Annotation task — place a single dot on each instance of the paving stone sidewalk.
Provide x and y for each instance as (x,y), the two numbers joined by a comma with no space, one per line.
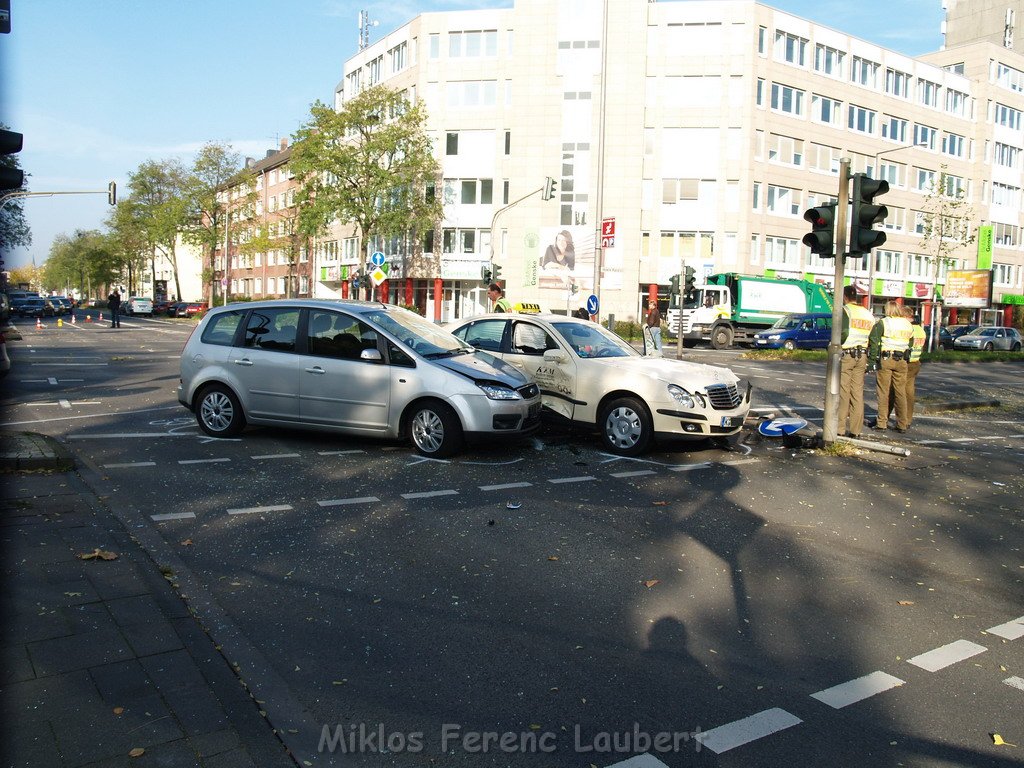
(101,658)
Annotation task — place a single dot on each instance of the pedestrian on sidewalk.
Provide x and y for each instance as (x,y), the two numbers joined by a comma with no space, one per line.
(114,304)
(654,326)
(888,352)
(857,325)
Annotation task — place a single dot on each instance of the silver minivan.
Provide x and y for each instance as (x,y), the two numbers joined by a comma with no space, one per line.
(353,367)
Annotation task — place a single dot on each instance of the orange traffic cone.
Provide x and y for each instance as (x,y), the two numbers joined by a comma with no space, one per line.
(39,322)
(101,317)
(73,319)
(88,318)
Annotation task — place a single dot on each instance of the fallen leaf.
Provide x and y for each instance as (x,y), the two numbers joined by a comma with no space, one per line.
(118,710)
(100,554)
(534,727)
(904,602)
(652,582)
(73,594)
(187,543)
(137,752)
(661,503)
(998,741)
(553,557)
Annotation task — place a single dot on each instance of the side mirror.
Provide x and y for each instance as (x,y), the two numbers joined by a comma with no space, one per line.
(554,356)
(371,354)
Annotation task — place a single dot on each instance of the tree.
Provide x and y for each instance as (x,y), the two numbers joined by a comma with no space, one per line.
(159,205)
(948,227)
(370,164)
(129,242)
(206,191)
(82,262)
(14,230)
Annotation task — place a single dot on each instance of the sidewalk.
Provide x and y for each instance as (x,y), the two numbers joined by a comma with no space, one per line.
(101,658)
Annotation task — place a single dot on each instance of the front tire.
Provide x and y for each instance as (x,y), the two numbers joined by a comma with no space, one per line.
(989,347)
(218,412)
(789,345)
(435,430)
(721,337)
(1016,347)
(626,427)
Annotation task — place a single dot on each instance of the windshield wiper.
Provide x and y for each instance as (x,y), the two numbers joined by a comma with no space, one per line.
(449,353)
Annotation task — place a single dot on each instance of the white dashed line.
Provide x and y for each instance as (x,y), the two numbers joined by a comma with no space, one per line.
(256,510)
(429,494)
(1015,682)
(277,456)
(690,467)
(845,694)
(638,473)
(343,502)
(504,486)
(740,732)
(962,440)
(52,380)
(201,461)
(130,464)
(1011,630)
(737,462)
(940,658)
(173,516)
(338,453)
(65,404)
(580,479)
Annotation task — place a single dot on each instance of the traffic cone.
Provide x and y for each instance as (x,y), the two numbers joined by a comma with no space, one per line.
(73,320)
(101,317)
(39,322)
(88,318)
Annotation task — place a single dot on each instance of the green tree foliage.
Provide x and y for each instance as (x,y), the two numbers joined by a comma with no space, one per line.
(370,164)
(85,263)
(157,191)
(14,230)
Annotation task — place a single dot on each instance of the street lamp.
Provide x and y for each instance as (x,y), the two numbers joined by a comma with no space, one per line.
(875,169)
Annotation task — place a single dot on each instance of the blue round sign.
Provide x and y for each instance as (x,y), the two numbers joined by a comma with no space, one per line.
(377,259)
(781,427)
(593,304)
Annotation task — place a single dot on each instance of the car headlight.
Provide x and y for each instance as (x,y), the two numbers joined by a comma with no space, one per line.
(681,396)
(498,391)
(775,337)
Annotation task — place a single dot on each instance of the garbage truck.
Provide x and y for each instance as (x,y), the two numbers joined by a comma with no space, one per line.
(730,308)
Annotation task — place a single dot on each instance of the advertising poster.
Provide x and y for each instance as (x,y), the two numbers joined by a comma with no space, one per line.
(969,288)
(566,259)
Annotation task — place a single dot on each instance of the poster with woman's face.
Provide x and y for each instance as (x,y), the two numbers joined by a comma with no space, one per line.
(566,258)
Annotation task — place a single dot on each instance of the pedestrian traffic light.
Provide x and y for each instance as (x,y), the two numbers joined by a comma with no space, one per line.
(112,193)
(865,214)
(689,279)
(674,282)
(550,186)
(485,274)
(11,177)
(822,237)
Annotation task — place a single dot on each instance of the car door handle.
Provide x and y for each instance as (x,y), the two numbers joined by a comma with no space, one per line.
(316,369)
(243,361)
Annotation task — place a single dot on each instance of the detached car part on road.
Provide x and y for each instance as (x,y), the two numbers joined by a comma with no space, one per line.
(594,379)
(359,368)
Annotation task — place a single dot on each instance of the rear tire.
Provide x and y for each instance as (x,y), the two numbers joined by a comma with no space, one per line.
(435,430)
(721,337)
(626,427)
(1016,347)
(218,412)
(989,347)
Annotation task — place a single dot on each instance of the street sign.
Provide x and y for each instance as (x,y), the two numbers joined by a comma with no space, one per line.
(593,304)
(378,259)
(781,427)
(378,276)
(608,233)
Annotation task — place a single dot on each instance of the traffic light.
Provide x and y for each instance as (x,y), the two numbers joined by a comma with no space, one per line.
(550,187)
(674,282)
(865,214)
(112,193)
(822,237)
(485,274)
(689,279)
(11,177)
(495,273)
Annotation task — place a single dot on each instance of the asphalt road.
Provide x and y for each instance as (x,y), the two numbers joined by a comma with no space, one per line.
(791,606)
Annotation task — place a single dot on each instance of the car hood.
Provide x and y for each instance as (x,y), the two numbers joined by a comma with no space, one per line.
(481,365)
(691,376)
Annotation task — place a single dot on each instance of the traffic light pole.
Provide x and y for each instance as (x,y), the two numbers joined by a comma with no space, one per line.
(830,426)
(6,198)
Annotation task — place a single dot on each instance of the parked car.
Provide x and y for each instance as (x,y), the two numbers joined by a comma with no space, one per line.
(161,307)
(5,361)
(359,368)
(956,331)
(797,331)
(189,308)
(989,339)
(37,307)
(62,304)
(138,305)
(593,379)
(17,298)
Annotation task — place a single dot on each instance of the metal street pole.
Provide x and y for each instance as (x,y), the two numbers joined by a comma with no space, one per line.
(598,247)
(830,427)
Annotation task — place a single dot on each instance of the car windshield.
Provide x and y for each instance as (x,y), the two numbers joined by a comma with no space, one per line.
(986,332)
(418,334)
(593,340)
(787,322)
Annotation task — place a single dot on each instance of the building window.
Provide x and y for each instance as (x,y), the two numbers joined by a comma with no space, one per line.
(451,144)
(374,69)
(1007,116)
(790,48)
(785,150)
(473,44)
(861,119)
(782,252)
(508,142)
(957,102)
(826,110)
(1004,194)
(787,99)
(928,93)
(897,83)
(924,180)
(783,201)
(888,263)
(925,135)
(756,201)
(863,72)
(952,144)
(955,186)
(1008,77)
(398,57)
(435,46)
(761,34)
(828,61)
(894,129)
(353,82)
(892,173)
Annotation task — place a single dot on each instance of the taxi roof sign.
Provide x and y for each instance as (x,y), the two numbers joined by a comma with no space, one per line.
(527,309)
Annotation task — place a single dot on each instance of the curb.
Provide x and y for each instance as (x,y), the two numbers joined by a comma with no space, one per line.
(24,452)
(955,405)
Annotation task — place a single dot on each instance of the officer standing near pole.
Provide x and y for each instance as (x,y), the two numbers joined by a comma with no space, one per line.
(888,352)
(857,325)
(914,366)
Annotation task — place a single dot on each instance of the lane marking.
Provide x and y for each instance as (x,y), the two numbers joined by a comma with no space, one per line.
(940,658)
(638,473)
(121,435)
(73,365)
(963,440)
(343,502)
(256,510)
(65,404)
(737,462)
(844,694)
(1015,682)
(504,486)
(130,464)
(740,732)
(200,461)
(277,456)
(338,453)
(580,479)
(52,380)
(173,516)
(691,467)
(1011,630)
(429,494)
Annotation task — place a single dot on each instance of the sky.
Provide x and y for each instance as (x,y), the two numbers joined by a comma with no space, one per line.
(99,87)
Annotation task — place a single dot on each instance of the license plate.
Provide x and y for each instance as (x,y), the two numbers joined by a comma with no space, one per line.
(726,421)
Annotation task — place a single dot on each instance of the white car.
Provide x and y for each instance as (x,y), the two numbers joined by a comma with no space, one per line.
(594,379)
(138,305)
